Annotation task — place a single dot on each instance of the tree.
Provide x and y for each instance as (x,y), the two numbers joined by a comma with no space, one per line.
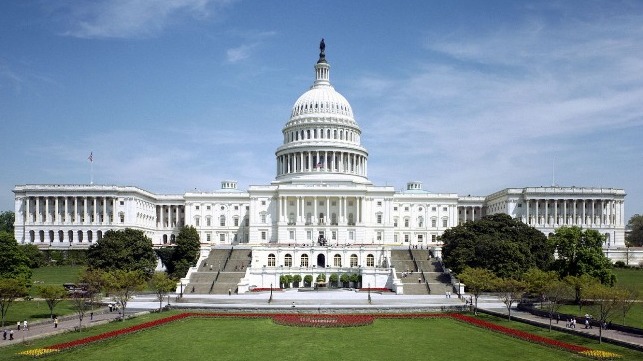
(128,250)
(499,243)
(35,257)
(511,290)
(53,295)
(123,284)
(580,284)
(185,254)
(7,219)
(308,280)
(80,301)
(93,283)
(580,251)
(605,304)
(477,280)
(162,285)
(630,298)
(539,281)
(555,293)
(635,227)
(10,289)
(13,263)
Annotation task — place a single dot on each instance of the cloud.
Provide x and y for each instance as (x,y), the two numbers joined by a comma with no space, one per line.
(491,108)
(253,40)
(131,18)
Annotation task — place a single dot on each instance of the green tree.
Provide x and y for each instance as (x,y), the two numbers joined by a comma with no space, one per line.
(635,235)
(13,263)
(296,279)
(53,295)
(345,278)
(605,305)
(35,257)
(7,219)
(93,282)
(128,250)
(308,280)
(10,289)
(477,280)
(122,285)
(555,293)
(580,251)
(186,251)
(580,284)
(630,298)
(539,281)
(162,285)
(81,302)
(499,243)
(510,291)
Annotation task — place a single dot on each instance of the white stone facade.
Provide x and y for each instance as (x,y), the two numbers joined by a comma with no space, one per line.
(321,193)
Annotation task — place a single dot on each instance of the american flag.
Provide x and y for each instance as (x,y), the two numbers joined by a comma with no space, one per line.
(91,157)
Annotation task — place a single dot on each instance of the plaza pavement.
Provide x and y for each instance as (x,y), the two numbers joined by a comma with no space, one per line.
(310,301)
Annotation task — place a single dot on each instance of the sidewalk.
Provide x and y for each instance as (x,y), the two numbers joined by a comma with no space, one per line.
(612,336)
(67,323)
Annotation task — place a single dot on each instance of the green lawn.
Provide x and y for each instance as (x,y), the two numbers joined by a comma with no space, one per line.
(35,311)
(55,275)
(248,339)
(629,278)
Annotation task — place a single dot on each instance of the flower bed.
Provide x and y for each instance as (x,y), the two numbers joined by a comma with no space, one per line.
(328,320)
(373,289)
(323,320)
(263,289)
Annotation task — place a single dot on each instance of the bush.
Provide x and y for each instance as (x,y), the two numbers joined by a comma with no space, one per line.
(619,264)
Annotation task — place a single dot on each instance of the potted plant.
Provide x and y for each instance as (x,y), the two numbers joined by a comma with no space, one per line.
(345,278)
(296,279)
(308,280)
(333,279)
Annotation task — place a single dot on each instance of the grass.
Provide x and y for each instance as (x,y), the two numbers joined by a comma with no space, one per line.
(55,275)
(246,339)
(35,311)
(629,278)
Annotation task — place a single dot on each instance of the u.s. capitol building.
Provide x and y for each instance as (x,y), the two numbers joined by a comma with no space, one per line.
(321,197)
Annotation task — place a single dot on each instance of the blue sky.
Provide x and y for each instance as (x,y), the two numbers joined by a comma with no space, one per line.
(468,97)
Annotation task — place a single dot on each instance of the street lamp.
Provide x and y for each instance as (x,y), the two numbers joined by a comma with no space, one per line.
(270,299)
(181,294)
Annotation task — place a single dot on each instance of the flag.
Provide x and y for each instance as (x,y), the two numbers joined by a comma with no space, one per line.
(91,157)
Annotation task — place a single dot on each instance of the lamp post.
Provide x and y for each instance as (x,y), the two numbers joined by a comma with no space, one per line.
(270,299)
(369,293)
(181,294)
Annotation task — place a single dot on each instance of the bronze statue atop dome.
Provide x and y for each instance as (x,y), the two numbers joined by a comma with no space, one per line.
(322,51)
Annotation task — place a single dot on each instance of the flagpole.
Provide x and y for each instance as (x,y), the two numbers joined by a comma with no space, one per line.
(91,167)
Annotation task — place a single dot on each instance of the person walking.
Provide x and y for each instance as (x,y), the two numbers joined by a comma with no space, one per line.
(10,335)
(56,322)
(24,326)
(4,334)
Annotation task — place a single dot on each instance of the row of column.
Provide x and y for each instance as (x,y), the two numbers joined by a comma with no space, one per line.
(69,210)
(476,213)
(591,212)
(317,161)
(318,134)
(169,216)
(344,216)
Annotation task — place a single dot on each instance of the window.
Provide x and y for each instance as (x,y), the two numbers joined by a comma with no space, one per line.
(122,203)
(353,260)
(379,218)
(271,260)
(434,209)
(309,235)
(263,235)
(337,260)
(395,222)
(444,209)
(351,235)
(406,209)
(236,208)
(196,207)
(291,235)
(122,217)
(420,222)
(263,203)
(333,235)
(288,260)
(208,237)
(222,221)
(304,261)
(445,222)
(433,238)
(370,261)
(379,203)
(406,222)
(378,235)
(235,220)
(207,207)
(208,221)
(351,221)
(222,237)
(406,238)
(395,208)
(263,218)
(434,222)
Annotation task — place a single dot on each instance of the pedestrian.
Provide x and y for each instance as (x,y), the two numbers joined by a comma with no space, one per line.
(4,334)
(574,323)
(446,294)
(24,326)
(91,316)
(419,279)
(111,307)
(586,323)
(18,324)
(10,335)
(557,318)
(567,323)
(229,291)
(56,322)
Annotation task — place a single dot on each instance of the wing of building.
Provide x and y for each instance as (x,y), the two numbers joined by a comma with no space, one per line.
(321,196)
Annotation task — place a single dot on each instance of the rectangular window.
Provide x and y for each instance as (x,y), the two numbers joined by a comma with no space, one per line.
(444,209)
(236,208)
(208,222)
(291,235)
(445,222)
(207,208)
(434,209)
(196,222)
(122,218)
(222,237)
(351,235)
(379,203)
(333,235)
(263,203)
(433,238)
(196,207)
(379,219)
(208,237)
(122,203)
(406,238)
(309,235)
(379,236)
(263,235)
(395,208)
(236,222)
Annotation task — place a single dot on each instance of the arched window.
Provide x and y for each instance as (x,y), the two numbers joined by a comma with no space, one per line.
(420,221)
(172,239)
(32,236)
(90,236)
(80,236)
(370,261)
(51,236)
(337,260)
(351,221)
(288,260)
(395,221)
(353,260)
(61,236)
(271,260)
(222,221)
(165,239)
(333,219)
(99,235)
(70,235)
(406,222)
(304,260)
(41,236)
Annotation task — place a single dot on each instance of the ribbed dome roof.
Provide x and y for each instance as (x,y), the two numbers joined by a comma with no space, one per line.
(322,99)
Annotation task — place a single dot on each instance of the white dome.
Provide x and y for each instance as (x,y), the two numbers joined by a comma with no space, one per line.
(322,99)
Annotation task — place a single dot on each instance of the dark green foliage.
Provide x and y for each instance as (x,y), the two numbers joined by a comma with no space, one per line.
(580,252)
(180,258)
(127,250)
(13,262)
(71,257)
(35,257)
(499,243)
(635,236)
(7,219)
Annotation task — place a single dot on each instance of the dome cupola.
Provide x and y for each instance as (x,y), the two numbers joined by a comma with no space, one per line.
(321,138)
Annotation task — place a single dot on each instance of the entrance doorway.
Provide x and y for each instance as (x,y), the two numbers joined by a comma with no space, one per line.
(321,261)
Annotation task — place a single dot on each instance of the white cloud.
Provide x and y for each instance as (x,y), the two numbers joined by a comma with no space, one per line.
(131,18)
(253,40)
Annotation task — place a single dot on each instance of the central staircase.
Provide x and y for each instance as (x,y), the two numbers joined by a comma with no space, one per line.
(420,274)
(220,272)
